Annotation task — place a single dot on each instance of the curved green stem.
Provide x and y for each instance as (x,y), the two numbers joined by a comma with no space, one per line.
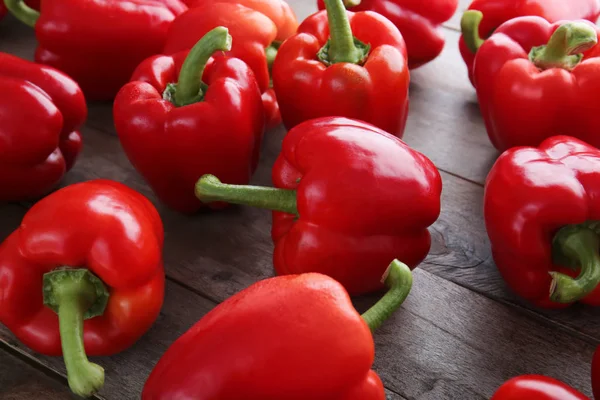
(271,53)
(469,25)
(209,188)
(578,245)
(76,295)
(342,45)
(190,89)
(22,12)
(565,46)
(398,278)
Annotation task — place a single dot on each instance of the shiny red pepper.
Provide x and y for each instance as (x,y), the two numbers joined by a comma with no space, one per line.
(493,13)
(418,21)
(363,77)
(258,27)
(536,387)
(543,221)
(281,339)
(348,198)
(210,121)
(40,114)
(90,251)
(98,43)
(533,81)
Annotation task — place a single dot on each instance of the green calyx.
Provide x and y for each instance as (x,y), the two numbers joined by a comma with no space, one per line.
(565,47)
(398,279)
(577,247)
(271,53)
(469,25)
(189,88)
(22,12)
(342,45)
(76,295)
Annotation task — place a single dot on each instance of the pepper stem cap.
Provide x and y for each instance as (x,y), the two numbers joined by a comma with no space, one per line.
(22,12)
(469,25)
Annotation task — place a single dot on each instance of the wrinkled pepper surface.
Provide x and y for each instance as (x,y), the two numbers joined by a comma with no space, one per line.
(535,80)
(536,387)
(344,64)
(282,359)
(258,27)
(418,21)
(488,15)
(348,198)
(40,115)
(98,43)
(189,114)
(543,221)
(83,276)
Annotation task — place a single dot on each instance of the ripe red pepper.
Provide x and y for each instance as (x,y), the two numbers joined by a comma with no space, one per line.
(418,21)
(536,387)
(258,28)
(542,221)
(39,114)
(493,13)
(315,76)
(533,81)
(348,198)
(205,363)
(98,43)
(211,121)
(90,251)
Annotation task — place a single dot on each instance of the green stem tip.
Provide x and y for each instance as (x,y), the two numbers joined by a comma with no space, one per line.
(575,245)
(469,25)
(190,89)
(209,189)
(352,3)
(22,12)
(565,47)
(398,278)
(75,295)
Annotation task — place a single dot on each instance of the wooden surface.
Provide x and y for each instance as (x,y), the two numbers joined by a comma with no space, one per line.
(459,335)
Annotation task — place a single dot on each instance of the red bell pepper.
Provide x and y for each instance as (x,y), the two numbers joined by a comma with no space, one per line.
(364,77)
(258,27)
(90,251)
(98,43)
(245,349)
(541,218)
(40,115)
(490,14)
(208,122)
(418,21)
(348,198)
(533,81)
(536,387)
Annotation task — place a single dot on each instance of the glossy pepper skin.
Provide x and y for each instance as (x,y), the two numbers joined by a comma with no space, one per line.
(496,12)
(40,115)
(536,387)
(315,76)
(348,197)
(257,27)
(282,359)
(418,21)
(535,79)
(542,221)
(98,246)
(99,43)
(172,143)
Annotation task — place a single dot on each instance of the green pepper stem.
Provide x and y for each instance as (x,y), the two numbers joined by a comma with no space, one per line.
(469,25)
(398,278)
(209,188)
(76,295)
(342,45)
(190,89)
(578,245)
(271,53)
(565,46)
(22,12)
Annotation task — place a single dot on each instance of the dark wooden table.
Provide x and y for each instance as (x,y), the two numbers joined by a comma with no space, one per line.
(460,334)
